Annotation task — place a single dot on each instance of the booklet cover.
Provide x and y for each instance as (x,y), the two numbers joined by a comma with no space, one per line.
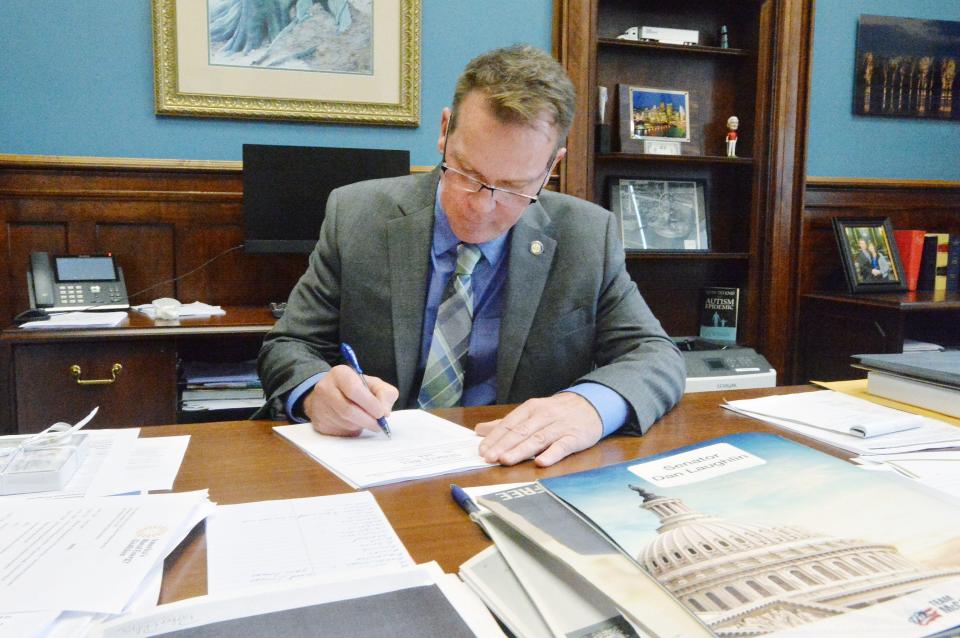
(718,313)
(756,532)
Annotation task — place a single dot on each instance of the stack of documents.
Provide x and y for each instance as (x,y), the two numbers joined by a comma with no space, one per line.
(937,469)
(928,380)
(71,562)
(221,386)
(65,320)
(195,309)
(850,423)
(422,445)
(717,536)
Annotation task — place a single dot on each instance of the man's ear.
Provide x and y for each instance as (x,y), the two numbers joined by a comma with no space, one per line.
(561,153)
(444,122)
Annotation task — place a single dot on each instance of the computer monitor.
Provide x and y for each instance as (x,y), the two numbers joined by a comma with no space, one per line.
(285,190)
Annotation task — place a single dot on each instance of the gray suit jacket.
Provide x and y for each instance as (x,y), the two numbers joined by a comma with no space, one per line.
(571,313)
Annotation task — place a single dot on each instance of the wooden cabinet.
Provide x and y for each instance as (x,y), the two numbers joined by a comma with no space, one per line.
(130,372)
(834,326)
(758,78)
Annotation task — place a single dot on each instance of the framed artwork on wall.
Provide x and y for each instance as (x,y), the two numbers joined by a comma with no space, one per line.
(345,61)
(661,214)
(868,252)
(907,68)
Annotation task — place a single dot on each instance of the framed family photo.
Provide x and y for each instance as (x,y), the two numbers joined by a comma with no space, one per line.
(661,214)
(868,252)
(345,61)
(652,115)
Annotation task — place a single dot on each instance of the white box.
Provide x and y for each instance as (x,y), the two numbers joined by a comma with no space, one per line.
(670,36)
(40,469)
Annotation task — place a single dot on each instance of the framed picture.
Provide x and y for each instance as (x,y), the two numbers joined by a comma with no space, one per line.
(660,214)
(869,254)
(346,61)
(652,115)
(907,68)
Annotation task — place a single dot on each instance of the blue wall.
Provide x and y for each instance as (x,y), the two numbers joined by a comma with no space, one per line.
(840,144)
(76,78)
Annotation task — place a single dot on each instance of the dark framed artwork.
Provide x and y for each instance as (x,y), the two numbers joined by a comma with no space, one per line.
(907,68)
(661,214)
(652,115)
(868,252)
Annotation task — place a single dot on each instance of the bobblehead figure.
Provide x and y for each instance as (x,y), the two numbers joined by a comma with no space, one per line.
(733,123)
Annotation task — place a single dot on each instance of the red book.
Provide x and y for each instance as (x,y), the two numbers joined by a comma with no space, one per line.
(910,247)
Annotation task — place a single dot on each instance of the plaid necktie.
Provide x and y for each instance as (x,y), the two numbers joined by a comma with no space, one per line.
(443,376)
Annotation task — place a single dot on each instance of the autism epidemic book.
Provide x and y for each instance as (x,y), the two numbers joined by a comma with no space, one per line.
(718,314)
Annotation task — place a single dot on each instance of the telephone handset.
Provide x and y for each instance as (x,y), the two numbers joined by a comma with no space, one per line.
(76,282)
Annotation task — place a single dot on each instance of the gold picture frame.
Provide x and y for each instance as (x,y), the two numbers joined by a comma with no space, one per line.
(188,81)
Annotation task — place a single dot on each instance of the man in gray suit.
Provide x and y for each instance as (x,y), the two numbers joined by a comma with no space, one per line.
(555,322)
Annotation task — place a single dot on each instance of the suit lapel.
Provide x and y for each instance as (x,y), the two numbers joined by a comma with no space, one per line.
(526,276)
(409,238)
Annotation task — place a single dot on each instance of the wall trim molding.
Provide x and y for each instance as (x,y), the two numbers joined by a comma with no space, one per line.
(877,182)
(132,163)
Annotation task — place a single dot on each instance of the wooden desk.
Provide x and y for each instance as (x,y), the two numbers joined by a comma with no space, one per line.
(245,461)
(37,387)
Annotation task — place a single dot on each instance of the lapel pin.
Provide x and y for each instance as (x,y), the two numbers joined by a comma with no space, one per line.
(536,247)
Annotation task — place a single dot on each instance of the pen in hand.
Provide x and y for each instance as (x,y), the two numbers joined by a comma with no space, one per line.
(351,359)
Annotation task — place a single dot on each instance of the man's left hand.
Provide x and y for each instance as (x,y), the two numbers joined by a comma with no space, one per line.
(550,428)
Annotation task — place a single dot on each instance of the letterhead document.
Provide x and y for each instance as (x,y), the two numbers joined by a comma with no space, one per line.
(422,445)
(273,543)
(89,554)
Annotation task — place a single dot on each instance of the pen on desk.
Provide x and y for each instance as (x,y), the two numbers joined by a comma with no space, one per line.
(467,505)
(351,359)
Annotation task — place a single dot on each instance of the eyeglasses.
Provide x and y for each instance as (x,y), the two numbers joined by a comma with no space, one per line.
(503,196)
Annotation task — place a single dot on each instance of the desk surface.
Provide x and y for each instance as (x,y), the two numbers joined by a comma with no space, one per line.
(245,461)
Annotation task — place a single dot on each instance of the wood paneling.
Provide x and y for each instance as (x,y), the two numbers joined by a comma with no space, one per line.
(162,219)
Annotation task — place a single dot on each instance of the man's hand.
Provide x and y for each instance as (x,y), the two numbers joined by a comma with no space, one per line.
(340,405)
(550,428)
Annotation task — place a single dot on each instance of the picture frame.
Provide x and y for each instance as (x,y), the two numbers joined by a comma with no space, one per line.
(659,214)
(907,67)
(322,66)
(868,252)
(652,115)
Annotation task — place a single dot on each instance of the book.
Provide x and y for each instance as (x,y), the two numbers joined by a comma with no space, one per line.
(220,394)
(931,396)
(753,530)
(933,263)
(718,313)
(910,247)
(953,263)
(936,367)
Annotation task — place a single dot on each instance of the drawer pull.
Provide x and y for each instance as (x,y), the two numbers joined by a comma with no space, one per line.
(114,371)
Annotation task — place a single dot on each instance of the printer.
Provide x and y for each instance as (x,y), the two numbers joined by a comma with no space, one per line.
(716,365)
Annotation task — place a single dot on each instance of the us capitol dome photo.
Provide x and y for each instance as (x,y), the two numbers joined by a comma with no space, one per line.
(743,579)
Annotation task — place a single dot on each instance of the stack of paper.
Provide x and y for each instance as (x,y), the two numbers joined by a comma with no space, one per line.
(748,530)
(850,423)
(422,445)
(195,309)
(65,320)
(937,469)
(928,380)
(220,386)
(89,558)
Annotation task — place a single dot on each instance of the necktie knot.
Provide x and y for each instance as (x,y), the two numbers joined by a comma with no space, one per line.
(468,255)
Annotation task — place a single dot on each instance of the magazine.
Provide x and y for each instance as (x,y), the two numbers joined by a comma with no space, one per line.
(755,533)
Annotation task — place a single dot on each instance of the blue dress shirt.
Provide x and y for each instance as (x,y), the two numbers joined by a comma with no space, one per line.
(489,283)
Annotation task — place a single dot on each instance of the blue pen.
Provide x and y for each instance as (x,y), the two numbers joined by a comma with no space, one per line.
(351,359)
(467,505)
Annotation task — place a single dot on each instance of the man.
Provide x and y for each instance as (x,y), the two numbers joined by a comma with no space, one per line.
(864,262)
(547,317)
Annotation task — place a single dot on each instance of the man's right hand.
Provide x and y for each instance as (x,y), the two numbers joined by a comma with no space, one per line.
(340,405)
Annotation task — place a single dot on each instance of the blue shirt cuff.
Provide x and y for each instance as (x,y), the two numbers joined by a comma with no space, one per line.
(292,405)
(611,407)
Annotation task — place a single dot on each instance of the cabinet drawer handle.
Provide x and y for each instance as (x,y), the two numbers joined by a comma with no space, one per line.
(114,371)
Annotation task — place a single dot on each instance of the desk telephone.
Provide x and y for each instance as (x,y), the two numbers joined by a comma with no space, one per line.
(76,282)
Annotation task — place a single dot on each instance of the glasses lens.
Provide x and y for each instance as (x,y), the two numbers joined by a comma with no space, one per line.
(471,185)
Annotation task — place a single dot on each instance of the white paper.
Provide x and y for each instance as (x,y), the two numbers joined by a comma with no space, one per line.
(77,320)
(932,433)
(27,623)
(88,555)
(220,404)
(195,309)
(153,464)
(422,445)
(833,411)
(203,610)
(277,542)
